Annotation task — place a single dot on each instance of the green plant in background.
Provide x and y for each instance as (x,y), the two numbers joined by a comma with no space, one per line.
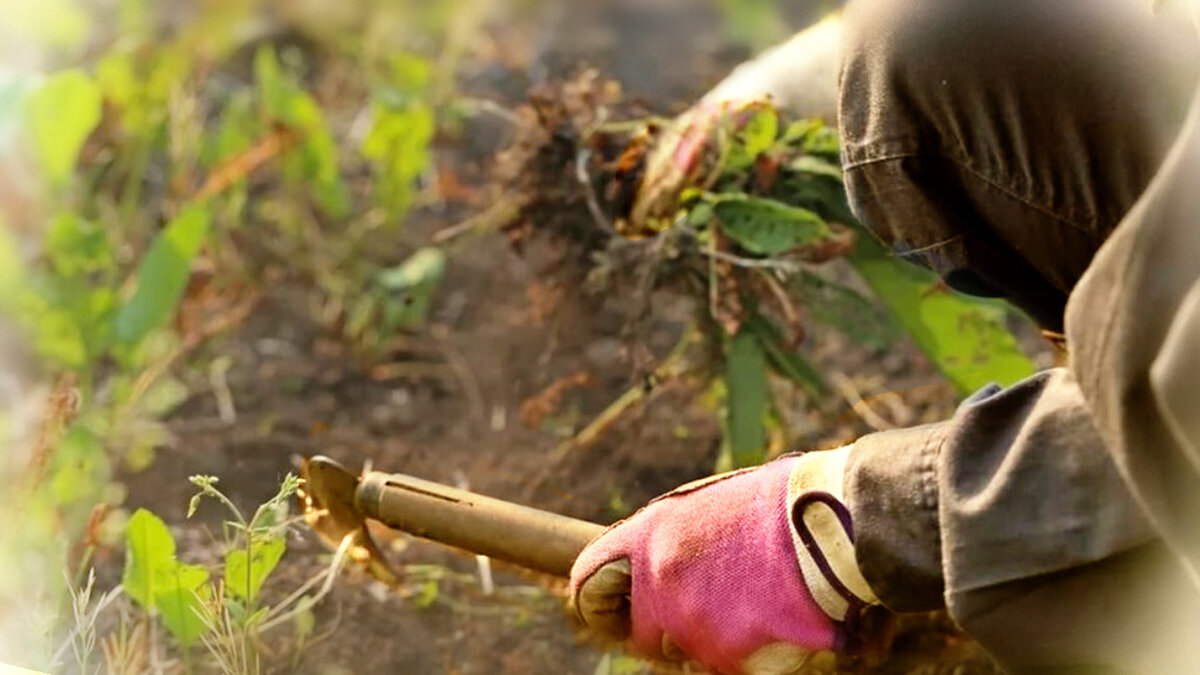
(402,128)
(754,24)
(397,298)
(219,608)
(148,163)
(314,163)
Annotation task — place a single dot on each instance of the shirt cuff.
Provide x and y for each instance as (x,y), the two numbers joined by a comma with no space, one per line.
(890,486)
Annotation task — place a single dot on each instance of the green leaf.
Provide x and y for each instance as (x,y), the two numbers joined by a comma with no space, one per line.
(163,396)
(236,132)
(162,276)
(314,162)
(965,337)
(149,555)
(768,227)
(846,310)
(787,361)
(746,379)
(402,127)
(411,285)
(756,136)
(756,24)
(81,467)
(304,620)
(62,114)
(59,338)
(812,136)
(77,247)
(426,595)
(245,574)
(812,164)
(398,147)
(180,596)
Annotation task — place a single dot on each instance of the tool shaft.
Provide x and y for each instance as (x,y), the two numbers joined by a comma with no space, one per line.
(483,525)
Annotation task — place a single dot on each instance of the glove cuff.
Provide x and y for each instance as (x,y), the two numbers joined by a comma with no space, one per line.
(823,535)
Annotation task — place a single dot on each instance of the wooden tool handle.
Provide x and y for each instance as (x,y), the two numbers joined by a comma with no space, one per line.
(528,537)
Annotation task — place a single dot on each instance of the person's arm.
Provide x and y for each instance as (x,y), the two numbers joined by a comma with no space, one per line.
(1133,326)
(799,75)
(1013,516)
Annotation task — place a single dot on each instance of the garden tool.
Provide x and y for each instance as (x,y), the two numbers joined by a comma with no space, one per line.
(336,503)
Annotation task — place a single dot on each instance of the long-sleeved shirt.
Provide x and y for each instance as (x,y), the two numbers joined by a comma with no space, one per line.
(1039,151)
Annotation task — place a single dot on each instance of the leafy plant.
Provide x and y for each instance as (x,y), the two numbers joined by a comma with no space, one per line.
(62,113)
(744,232)
(314,163)
(162,275)
(402,128)
(196,605)
(755,24)
(159,582)
(773,199)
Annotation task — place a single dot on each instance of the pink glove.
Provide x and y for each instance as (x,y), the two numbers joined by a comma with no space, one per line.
(746,572)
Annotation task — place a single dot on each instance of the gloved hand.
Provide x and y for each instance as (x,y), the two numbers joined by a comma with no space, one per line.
(745,572)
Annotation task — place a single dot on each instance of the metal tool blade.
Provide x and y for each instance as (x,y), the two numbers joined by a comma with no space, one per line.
(326,500)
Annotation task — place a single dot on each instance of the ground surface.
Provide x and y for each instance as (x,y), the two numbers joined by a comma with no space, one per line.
(447,408)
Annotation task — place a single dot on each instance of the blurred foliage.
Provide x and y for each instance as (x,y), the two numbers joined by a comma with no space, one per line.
(755,24)
(160,174)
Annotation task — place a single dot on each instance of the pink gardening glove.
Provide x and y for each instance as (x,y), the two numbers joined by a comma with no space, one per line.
(747,572)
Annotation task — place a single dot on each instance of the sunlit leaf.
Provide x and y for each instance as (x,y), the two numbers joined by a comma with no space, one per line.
(411,285)
(62,113)
(77,247)
(62,24)
(163,396)
(162,276)
(812,136)
(966,338)
(815,165)
(80,468)
(426,594)
(768,227)
(756,24)
(180,597)
(754,137)
(149,555)
(746,379)
(58,335)
(245,574)
(314,162)
(402,127)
